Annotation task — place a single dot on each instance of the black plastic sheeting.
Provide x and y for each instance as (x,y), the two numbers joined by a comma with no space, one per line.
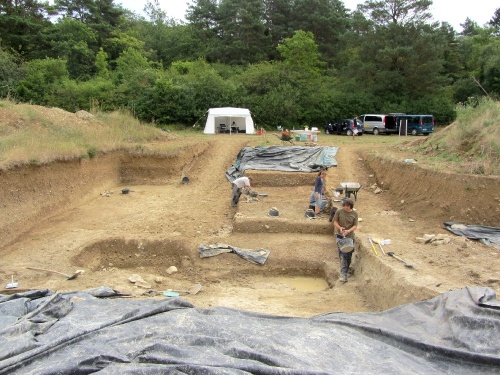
(77,333)
(487,235)
(283,158)
(257,256)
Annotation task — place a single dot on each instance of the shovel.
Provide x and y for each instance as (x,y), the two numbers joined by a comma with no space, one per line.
(391,254)
(193,290)
(68,277)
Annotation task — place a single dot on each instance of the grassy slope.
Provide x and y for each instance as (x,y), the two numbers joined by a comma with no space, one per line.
(471,144)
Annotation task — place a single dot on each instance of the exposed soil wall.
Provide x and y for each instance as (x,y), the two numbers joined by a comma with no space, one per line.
(158,170)
(423,193)
(36,192)
(33,193)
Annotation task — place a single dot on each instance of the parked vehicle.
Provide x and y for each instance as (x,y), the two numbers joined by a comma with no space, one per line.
(379,123)
(415,124)
(345,126)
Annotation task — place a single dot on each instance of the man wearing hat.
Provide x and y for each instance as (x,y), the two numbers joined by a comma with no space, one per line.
(345,222)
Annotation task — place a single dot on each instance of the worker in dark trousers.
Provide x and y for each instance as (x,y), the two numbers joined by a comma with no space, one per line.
(345,222)
(238,185)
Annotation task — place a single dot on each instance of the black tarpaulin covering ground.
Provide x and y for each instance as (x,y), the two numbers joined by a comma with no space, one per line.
(283,158)
(485,234)
(77,333)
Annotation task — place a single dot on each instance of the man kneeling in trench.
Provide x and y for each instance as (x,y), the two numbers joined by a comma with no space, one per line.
(345,222)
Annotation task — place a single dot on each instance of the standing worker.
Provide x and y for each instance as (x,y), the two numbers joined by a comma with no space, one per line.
(355,127)
(345,222)
(238,185)
(317,194)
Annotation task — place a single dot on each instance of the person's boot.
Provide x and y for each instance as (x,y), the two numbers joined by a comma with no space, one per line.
(343,278)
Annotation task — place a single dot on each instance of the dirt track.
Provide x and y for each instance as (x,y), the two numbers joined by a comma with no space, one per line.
(72,215)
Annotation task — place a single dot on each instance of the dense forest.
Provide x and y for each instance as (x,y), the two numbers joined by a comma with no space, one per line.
(291,62)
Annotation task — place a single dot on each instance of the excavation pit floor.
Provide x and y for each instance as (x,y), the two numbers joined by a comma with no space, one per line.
(74,216)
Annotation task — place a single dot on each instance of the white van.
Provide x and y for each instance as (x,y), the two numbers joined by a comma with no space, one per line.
(377,124)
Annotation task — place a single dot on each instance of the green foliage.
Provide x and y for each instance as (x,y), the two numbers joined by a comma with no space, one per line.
(289,61)
(242,33)
(327,20)
(401,12)
(41,79)
(22,25)
(300,54)
(185,93)
(91,152)
(73,96)
(10,74)
(102,64)
(72,40)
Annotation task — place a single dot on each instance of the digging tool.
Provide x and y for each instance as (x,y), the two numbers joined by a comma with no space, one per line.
(373,246)
(379,242)
(68,277)
(391,254)
(193,290)
(381,248)
(12,284)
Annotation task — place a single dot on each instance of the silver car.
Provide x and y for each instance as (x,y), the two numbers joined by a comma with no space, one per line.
(379,124)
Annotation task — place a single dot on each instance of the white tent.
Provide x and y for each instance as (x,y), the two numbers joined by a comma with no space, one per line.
(229,120)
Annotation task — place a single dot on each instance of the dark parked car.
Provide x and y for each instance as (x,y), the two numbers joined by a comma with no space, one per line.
(344,127)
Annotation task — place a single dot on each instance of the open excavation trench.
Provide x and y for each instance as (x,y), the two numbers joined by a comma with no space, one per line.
(72,215)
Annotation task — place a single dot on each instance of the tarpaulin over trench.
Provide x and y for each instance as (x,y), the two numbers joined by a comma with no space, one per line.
(485,234)
(283,158)
(76,333)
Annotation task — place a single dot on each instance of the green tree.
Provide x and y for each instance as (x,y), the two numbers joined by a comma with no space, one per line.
(167,41)
(10,74)
(101,63)
(403,12)
(278,15)
(71,40)
(185,92)
(242,32)
(42,76)
(71,95)
(480,62)
(102,16)
(300,54)
(326,20)
(21,27)
(495,21)
(469,27)
(202,15)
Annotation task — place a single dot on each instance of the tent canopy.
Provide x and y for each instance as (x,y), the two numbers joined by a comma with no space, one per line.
(229,120)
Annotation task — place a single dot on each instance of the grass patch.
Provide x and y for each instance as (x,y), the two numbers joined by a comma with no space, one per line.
(29,133)
(472,143)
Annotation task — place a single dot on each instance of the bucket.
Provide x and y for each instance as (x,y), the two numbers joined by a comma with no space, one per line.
(346,244)
(259,132)
(297,137)
(314,137)
(303,137)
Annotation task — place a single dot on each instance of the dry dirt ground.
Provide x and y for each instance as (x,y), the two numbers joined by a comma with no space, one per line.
(72,215)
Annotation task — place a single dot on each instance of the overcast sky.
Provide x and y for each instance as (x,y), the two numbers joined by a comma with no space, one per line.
(452,11)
